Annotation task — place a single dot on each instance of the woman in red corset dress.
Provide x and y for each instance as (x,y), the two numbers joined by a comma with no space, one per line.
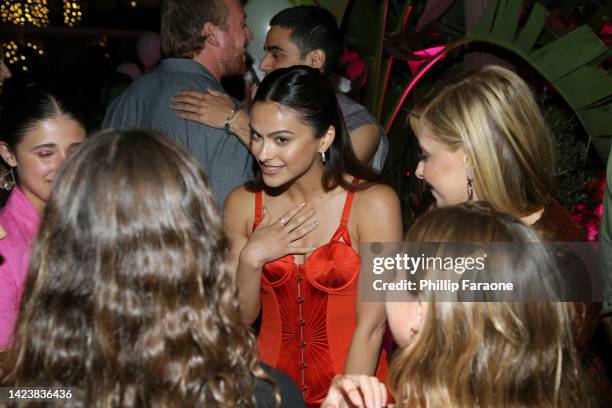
(295,234)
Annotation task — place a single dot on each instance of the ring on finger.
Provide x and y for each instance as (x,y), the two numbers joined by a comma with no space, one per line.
(282,221)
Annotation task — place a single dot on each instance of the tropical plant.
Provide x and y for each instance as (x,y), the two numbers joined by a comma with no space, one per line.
(401,41)
(559,47)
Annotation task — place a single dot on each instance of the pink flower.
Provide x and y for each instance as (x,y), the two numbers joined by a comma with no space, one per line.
(592,230)
(429,52)
(348,57)
(354,67)
(578,218)
(597,187)
(588,214)
(599,211)
(607,31)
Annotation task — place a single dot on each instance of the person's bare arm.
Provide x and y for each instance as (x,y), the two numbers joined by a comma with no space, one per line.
(365,141)
(2,232)
(235,222)
(377,203)
(211,108)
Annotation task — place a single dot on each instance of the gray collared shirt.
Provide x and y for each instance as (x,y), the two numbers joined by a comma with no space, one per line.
(146,104)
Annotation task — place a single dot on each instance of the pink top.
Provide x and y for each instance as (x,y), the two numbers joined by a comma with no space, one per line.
(20,220)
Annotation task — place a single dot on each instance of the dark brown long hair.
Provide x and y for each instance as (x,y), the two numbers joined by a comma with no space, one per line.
(129,297)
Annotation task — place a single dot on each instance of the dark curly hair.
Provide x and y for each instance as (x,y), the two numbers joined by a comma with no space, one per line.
(129,298)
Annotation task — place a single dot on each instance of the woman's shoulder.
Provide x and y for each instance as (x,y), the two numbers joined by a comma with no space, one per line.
(239,199)
(376,197)
(239,193)
(239,209)
(377,214)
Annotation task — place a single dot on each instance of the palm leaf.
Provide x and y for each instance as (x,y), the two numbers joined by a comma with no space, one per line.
(433,10)
(569,63)
(383,70)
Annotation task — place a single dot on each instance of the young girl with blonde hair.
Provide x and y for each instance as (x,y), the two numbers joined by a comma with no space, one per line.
(478,354)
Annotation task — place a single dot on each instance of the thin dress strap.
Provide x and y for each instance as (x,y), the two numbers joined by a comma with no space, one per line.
(258,209)
(346,211)
(342,231)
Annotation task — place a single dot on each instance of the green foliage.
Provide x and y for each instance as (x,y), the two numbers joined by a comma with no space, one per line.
(575,162)
(568,63)
(553,37)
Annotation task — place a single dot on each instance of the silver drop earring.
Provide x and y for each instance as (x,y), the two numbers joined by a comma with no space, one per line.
(322,156)
(7,181)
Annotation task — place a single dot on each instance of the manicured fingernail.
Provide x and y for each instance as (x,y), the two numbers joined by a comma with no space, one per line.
(303,204)
(316,222)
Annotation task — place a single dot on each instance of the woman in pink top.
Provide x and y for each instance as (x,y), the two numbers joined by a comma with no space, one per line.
(37,134)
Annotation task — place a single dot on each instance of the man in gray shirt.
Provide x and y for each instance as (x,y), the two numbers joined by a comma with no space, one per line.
(202,41)
(302,35)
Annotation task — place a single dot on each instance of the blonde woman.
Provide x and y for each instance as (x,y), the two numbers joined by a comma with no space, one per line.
(477,354)
(483,137)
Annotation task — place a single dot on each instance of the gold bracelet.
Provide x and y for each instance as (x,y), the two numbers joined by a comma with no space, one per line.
(230,117)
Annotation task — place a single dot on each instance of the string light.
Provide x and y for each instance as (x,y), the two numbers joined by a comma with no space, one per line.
(18,56)
(33,12)
(72,12)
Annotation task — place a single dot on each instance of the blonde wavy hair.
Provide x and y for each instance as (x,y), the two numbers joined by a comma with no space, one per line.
(492,114)
(489,354)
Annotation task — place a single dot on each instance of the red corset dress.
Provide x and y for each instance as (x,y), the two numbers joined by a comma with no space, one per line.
(309,311)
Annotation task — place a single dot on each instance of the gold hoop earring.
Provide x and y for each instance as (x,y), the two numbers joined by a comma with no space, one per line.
(7,181)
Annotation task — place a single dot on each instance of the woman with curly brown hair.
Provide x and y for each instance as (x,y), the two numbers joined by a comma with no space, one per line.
(129,298)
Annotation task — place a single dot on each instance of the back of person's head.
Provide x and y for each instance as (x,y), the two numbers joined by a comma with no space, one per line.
(309,94)
(494,353)
(129,297)
(182,22)
(312,28)
(491,113)
(114,85)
